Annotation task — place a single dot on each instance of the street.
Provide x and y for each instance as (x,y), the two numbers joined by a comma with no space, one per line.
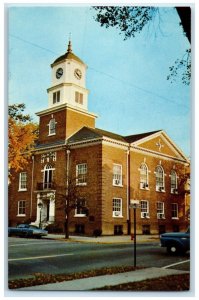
(29,256)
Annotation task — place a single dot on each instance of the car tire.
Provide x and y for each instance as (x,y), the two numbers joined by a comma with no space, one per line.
(173,249)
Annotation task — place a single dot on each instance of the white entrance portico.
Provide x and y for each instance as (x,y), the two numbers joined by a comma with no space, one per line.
(45,209)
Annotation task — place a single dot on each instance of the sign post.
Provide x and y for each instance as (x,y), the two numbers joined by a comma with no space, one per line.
(134,204)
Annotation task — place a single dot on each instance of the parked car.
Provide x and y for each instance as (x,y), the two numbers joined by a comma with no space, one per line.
(176,242)
(26,230)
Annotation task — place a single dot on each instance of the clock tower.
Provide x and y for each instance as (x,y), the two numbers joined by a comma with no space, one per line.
(68,81)
(67,110)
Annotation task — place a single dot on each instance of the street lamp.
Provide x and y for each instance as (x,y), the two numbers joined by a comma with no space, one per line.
(134,204)
(40,205)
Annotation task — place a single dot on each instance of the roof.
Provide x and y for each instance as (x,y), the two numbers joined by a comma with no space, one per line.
(68,55)
(136,137)
(87,133)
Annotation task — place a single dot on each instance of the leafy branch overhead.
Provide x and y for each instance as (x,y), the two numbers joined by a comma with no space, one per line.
(131,20)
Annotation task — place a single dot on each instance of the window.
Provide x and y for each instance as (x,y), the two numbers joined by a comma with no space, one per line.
(173,182)
(117,174)
(118,229)
(21,208)
(23,181)
(143,176)
(80,209)
(159,172)
(174,210)
(160,210)
(117,207)
(56,97)
(81,174)
(48,177)
(52,127)
(145,229)
(78,97)
(144,209)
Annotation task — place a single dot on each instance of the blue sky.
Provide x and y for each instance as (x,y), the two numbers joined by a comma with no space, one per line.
(126,79)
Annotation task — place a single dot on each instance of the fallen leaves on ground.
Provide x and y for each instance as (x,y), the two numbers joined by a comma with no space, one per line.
(43,278)
(169,283)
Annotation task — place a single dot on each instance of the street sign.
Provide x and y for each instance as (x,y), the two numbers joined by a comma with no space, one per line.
(134,204)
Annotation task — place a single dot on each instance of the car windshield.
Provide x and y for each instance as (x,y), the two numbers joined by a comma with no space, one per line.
(33,227)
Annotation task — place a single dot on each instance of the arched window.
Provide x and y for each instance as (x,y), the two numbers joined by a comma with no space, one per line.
(159,173)
(144,176)
(48,177)
(52,127)
(173,182)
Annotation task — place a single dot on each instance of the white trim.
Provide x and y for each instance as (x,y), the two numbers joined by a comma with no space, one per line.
(18,214)
(117,214)
(20,189)
(65,105)
(114,180)
(157,155)
(166,139)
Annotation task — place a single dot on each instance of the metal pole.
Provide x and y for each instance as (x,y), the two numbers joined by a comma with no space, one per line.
(40,219)
(134,237)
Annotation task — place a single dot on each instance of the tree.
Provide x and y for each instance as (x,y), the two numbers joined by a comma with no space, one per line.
(22,133)
(70,197)
(131,20)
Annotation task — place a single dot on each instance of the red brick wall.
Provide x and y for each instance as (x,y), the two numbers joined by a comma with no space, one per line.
(68,122)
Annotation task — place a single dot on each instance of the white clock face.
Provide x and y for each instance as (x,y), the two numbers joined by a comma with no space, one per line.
(59,73)
(78,74)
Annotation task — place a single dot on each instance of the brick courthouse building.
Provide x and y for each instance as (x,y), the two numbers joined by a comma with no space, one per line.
(109,169)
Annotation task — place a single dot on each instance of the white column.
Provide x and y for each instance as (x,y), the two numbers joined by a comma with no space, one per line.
(52,208)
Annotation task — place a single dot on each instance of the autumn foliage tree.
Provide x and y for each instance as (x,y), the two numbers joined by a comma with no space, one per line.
(22,133)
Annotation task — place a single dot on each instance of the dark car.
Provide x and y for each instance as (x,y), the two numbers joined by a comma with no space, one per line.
(176,242)
(26,230)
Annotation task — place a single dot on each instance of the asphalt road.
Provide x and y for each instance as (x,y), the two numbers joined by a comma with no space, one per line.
(29,256)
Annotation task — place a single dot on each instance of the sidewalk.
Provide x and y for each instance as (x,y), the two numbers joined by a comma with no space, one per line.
(91,283)
(105,239)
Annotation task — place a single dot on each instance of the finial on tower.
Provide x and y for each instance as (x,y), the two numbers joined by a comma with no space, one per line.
(69,44)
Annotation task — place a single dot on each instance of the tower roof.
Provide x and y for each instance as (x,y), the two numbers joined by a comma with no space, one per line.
(68,55)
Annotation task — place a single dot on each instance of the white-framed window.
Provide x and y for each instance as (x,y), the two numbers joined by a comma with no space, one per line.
(52,127)
(117,207)
(48,177)
(79,97)
(56,97)
(21,208)
(159,173)
(81,174)
(23,181)
(160,210)
(144,184)
(117,175)
(144,209)
(174,210)
(80,209)
(174,182)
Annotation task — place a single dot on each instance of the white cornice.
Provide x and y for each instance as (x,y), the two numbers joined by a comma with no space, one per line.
(180,155)
(65,106)
(157,154)
(66,84)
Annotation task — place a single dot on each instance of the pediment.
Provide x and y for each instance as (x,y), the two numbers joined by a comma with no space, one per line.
(160,143)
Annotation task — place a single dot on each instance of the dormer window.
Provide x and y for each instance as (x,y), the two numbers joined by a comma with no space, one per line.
(52,127)
(56,97)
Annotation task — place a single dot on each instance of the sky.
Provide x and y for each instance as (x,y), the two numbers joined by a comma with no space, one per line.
(127,80)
